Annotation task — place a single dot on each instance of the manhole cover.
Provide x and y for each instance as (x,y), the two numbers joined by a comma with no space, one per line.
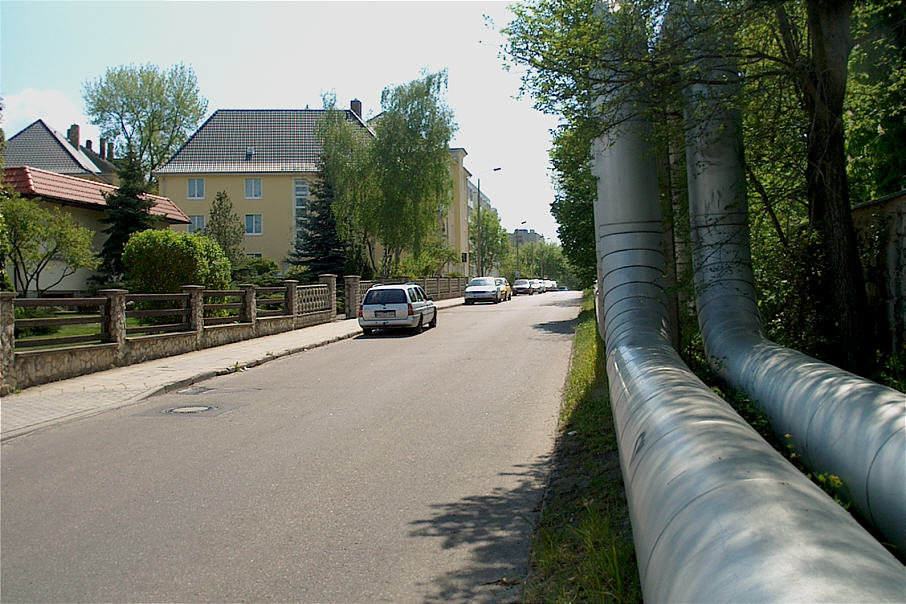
(190,409)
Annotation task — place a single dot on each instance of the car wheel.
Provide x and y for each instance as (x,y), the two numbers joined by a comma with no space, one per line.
(433,322)
(420,328)
(367,331)
(468,302)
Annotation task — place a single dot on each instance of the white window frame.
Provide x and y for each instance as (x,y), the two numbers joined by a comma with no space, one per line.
(256,188)
(301,195)
(260,225)
(196,223)
(192,192)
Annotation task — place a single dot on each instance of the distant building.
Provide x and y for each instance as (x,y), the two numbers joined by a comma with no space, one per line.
(523,236)
(40,146)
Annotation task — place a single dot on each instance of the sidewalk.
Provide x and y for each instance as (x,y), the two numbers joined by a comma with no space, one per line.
(49,404)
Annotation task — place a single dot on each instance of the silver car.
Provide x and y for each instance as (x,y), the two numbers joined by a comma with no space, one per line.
(396,306)
(482,289)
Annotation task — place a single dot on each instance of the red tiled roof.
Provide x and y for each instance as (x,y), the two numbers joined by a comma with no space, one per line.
(28,181)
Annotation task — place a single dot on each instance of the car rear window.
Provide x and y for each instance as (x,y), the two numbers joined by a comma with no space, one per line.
(385,296)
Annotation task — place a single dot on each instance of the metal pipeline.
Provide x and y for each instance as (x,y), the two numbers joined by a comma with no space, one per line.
(839,423)
(717,514)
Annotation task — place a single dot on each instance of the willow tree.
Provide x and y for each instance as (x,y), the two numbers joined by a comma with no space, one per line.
(391,188)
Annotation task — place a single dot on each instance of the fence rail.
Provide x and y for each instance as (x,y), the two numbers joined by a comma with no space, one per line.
(142,307)
(25,328)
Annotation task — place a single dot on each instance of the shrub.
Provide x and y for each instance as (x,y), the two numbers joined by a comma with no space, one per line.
(160,261)
(263,272)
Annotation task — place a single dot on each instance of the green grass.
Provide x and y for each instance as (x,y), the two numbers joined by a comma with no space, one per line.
(582,549)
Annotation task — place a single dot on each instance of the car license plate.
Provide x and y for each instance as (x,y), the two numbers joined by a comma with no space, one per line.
(383,314)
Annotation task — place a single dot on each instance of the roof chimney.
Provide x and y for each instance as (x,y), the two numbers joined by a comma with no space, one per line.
(110,151)
(73,135)
(88,146)
(356,106)
(103,150)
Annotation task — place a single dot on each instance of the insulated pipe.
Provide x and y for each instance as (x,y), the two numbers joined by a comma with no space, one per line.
(839,423)
(717,515)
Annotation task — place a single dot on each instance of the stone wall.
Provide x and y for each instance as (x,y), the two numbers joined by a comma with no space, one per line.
(310,304)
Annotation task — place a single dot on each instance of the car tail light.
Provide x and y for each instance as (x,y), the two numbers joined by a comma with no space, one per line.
(360,310)
(411,311)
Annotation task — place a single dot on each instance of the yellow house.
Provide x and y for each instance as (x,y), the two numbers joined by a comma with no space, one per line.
(264,159)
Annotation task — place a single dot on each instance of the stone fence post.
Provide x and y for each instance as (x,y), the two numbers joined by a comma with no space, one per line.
(291,300)
(7,341)
(249,311)
(115,315)
(331,281)
(195,311)
(352,295)
(115,319)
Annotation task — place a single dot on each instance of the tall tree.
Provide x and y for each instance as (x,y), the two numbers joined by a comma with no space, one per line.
(318,247)
(488,240)
(226,228)
(411,155)
(390,189)
(128,212)
(146,109)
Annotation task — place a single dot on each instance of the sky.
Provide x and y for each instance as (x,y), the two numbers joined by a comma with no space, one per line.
(284,55)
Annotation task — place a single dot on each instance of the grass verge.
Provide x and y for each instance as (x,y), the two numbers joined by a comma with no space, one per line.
(582,549)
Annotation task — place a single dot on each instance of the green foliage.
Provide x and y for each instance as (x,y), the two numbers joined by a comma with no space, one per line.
(488,240)
(876,101)
(226,228)
(430,262)
(37,237)
(576,191)
(260,271)
(146,110)
(390,189)
(128,212)
(160,261)
(346,166)
(318,248)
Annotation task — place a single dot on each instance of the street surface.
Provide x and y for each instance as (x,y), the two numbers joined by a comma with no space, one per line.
(393,468)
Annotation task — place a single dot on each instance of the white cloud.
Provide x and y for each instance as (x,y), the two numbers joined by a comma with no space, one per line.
(57,111)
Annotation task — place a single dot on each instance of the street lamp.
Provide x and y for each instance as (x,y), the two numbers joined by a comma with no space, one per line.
(517,249)
(480,263)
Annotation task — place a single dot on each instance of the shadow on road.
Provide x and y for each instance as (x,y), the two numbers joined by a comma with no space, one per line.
(559,327)
(497,530)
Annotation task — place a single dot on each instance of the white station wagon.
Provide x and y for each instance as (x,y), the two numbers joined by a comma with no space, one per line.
(396,306)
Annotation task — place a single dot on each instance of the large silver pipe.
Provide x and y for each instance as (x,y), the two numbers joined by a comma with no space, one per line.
(839,423)
(717,515)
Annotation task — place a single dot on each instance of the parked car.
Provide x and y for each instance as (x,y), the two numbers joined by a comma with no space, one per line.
(506,292)
(482,289)
(522,286)
(396,306)
(537,286)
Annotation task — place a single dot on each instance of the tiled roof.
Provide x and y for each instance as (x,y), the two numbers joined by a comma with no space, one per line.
(69,190)
(41,146)
(254,140)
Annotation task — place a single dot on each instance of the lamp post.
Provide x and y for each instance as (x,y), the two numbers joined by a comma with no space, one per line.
(517,249)
(480,263)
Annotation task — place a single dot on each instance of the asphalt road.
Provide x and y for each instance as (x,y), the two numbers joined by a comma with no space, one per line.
(392,468)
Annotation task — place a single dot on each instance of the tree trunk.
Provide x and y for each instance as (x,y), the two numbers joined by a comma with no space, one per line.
(827,188)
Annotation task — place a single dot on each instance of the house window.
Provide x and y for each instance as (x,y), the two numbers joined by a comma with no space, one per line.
(253,224)
(196,223)
(253,188)
(300,205)
(196,188)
